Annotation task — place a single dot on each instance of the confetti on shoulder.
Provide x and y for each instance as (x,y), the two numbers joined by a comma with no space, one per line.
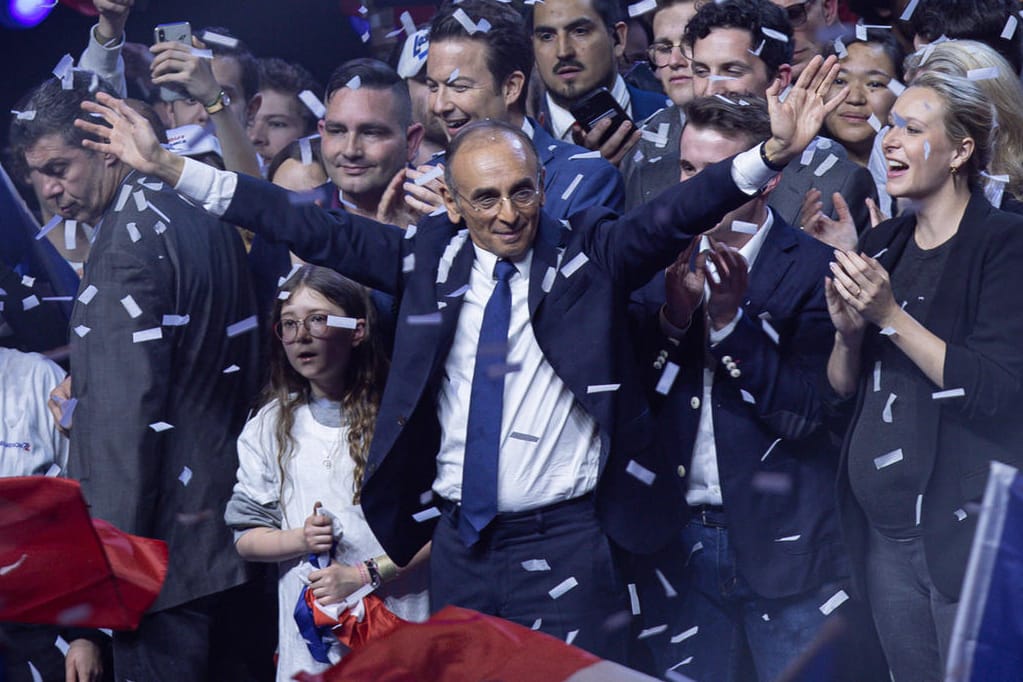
(242,326)
(640,472)
(602,388)
(948,393)
(426,515)
(161,426)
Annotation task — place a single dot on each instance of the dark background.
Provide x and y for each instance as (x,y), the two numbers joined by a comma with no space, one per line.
(315,33)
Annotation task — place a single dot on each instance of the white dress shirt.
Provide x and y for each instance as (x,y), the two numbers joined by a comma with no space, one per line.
(704,480)
(550,446)
(562,119)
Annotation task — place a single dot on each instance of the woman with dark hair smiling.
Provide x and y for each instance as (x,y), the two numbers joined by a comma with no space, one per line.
(927,342)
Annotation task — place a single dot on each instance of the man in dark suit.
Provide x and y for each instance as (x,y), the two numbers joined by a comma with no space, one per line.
(577,44)
(737,335)
(513,396)
(162,373)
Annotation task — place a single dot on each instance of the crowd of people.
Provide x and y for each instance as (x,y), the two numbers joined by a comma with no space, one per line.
(680,331)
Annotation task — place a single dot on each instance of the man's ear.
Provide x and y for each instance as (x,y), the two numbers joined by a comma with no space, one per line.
(830,10)
(413,137)
(360,334)
(784,74)
(512,88)
(619,35)
(251,108)
(448,195)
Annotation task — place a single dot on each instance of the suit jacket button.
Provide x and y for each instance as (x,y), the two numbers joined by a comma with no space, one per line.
(663,355)
(735,373)
(681,471)
(726,359)
(694,403)
(658,363)
(401,420)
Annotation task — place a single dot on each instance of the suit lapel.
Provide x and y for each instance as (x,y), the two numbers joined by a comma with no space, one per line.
(455,268)
(775,258)
(545,261)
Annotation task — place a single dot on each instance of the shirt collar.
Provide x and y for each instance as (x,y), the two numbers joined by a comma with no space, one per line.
(751,249)
(487,261)
(527,127)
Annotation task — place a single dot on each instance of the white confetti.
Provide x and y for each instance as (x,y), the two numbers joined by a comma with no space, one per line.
(743,227)
(908,12)
(62,645)
(886,413)
(27,281)
(771,332)
(133,232)
(524,437)
(640,472)
(29,115)
(185,476)
(773,445)
(161,426)
(231,369)
(453,76)
(650,632)
(888,459)
(548,280)
(430,175)
(747,396)
(312,103)
(570,268)
(807,156)
(354,83)
(571,187)
(595,154)
(536,624)
(68,411)
(874,122)
(784,94)
(70,235)
(634,599)
(408,263)
(536,565)
(218,39)
(175,320)
(342,322)
(48,227)
(140,200)
(919,507)
(775,35)
(242,326)
(788,538)
(482,26)
(987,73)
(896,87)
(669,590)
(826,165)
(284,295)
(888,331)
(834,602)
(305,150)
(642,7)
(82,330)
(695,548)
(201,53)
(29,302)
(686,634)
(602,388)
(668,377)
(760,48)
(877,376)
(1010,27)
(426,514)
(4,570)
(426,319)
(572,633)
(840,50)
(460,291)
(960,514)
(407,24)
(154,334)
(948,393)
(36,677)
(563,587)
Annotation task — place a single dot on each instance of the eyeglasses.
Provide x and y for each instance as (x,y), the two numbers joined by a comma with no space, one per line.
(489,205)
(316,325)
(798,12)
(660,52)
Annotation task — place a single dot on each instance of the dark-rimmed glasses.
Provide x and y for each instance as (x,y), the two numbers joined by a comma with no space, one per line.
(316,324)
(660,52)
(489,205)
(798,13)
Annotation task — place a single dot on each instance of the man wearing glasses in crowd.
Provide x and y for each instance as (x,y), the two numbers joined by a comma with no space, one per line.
(810,20)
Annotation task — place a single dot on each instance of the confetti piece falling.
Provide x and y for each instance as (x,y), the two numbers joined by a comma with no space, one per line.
(834,602)
(242,326)
(579,260)
(640,472)
(668,377)
(536,565)
(426,514)
(948,393)
(153,334)
(563,587)
(602,388)
(888,459)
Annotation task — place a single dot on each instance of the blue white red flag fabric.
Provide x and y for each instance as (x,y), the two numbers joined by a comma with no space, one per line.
(987,640)
(318,638)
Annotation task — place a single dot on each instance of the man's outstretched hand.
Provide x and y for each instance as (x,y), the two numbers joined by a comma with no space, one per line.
(796,121)
(129,137)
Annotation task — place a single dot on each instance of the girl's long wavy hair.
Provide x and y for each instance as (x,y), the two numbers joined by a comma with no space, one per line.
(364,380)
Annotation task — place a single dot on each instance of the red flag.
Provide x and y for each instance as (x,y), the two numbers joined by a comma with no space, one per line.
(59,567)
(354,632)
(459,645)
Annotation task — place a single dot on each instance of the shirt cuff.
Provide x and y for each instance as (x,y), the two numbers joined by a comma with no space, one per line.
(718,335)
(749,171)
(105,61)
(212,188)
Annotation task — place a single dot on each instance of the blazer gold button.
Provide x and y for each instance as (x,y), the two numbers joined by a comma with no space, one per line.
(694,403)
(735,373)
(681,471)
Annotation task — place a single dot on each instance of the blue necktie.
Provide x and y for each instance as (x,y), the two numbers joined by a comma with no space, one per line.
(486,405)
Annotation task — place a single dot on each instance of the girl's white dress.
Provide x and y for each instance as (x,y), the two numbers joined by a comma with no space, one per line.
(320,470)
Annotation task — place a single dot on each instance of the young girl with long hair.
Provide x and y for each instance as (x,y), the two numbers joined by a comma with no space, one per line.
(302,457)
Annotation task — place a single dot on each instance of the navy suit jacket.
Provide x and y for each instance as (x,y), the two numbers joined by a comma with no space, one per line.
(776,461)
(579,319)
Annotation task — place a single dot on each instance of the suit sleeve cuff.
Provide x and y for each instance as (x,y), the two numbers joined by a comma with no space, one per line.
(749,172)
(716,336)
(212,188)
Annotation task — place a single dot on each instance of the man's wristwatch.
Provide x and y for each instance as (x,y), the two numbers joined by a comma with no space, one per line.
(222,101)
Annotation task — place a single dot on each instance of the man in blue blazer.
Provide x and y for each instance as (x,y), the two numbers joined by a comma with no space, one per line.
(577,45)
(737,338)
(568,467)
(485,75)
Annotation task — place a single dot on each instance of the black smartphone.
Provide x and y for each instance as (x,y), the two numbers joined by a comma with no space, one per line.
(597,106)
